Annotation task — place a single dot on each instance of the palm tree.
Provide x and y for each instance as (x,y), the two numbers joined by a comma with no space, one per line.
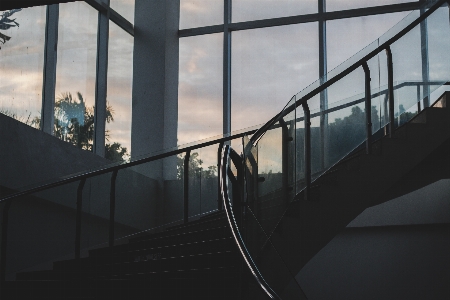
(74,123)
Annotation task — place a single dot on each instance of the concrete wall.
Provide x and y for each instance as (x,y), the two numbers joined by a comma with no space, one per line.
(29,156)
(395,250)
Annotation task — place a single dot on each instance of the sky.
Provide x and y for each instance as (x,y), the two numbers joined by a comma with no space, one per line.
(269,65)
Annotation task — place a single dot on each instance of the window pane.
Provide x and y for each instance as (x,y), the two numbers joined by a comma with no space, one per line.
(125,8)
(75,74)
(120,79)
(197,13)
(269,66)
(355,34)
(21,64)
(248,10)
(333,5)
(200,88)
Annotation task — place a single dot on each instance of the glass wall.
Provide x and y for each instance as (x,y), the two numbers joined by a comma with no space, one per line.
(200,88)
(334,5)
(268,66)
(22,38)
(196,13)
(120,79)
(355,34)
(249,10)
(76,74)
(124,8)
(275,52)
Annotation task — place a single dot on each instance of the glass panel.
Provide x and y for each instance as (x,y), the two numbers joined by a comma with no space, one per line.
(333,5)
(21,63)
(378,84)
(268,66)
(438,41)
(139,205)
(75,74)
(209,194)
(355,34)
(198,13)
(425,70)
(96,208)
(249,10)
(120,77)
(200,88)
(345,128)
(125,8)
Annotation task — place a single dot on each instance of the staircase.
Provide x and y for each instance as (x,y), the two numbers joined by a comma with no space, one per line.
(357,182)
(198,260)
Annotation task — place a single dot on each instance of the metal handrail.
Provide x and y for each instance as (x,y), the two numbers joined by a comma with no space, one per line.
(109,169)
(224,165)
(260,132)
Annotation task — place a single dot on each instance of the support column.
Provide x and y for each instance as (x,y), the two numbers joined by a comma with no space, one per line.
(155,82)
(50,57)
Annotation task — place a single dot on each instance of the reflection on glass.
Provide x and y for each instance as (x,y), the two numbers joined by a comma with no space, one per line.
(75,74)
(125,8)
(200,88)
(21,63)
(355,34)
(197,13)
(333,5)
(270,65)
(120,76)
(249,10)
(203,182)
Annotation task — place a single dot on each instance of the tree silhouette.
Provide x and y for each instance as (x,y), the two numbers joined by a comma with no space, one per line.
(74,123)
(7,23)
(195,168)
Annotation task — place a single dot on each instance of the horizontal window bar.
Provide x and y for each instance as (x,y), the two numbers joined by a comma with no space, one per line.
(334,15)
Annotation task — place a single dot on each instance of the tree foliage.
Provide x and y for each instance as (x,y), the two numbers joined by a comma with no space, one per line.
(196,169)
(7,23)
(74,123)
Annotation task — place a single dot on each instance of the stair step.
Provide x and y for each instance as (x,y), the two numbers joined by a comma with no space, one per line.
(218,283)
(165,240)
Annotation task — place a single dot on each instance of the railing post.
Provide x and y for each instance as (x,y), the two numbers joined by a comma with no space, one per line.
(390,90)
(418,99)
(284,158)
(78,220)
(219,193)
(112,207)
(307,150)
(368,108)
(186,186)
(4,243)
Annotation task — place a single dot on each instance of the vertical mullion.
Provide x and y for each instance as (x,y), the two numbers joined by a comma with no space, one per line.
(50,58)
(101,83)
(227,68)
(322,76)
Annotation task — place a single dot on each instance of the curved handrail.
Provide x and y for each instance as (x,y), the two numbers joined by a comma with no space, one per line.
(260,132)
(234,227)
